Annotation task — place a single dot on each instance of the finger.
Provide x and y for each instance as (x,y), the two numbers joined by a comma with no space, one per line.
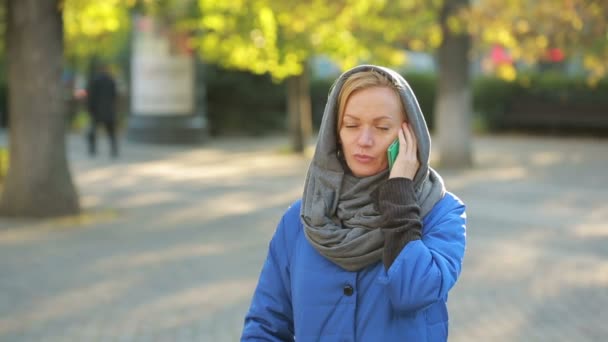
(408,138)
(413,141)
(402,139)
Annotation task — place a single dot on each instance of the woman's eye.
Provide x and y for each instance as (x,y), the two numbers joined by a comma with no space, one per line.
(383,128)
(350,126)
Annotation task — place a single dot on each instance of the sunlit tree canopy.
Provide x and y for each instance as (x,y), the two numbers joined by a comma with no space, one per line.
(533,30)
(278,37)
(95,27)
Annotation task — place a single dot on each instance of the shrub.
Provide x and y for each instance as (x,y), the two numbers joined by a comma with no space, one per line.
(243,103)
(542,101)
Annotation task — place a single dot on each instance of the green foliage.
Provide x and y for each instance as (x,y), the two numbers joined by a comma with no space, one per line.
(559,89)
(319,91)
(80,121)
(528,29)
(243,103)
(274,37)
(2,36)
(491,97)
(94,28)
(260,106)
(424,86)
(493,94)
(4,162)
(3,102)
(547,100)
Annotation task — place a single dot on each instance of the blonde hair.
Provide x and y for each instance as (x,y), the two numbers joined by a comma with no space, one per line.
(359,81)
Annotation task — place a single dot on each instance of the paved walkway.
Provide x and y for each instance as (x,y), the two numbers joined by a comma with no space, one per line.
(173,238)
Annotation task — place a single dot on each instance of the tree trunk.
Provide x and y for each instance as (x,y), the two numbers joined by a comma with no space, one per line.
(454,101)
(38,183)
(299,110)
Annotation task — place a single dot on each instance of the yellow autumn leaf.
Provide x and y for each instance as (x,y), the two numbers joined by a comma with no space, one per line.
(506,72)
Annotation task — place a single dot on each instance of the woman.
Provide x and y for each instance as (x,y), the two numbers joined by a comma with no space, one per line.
(368,254)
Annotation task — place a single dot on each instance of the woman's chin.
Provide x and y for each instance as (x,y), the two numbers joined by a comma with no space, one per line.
(362,172)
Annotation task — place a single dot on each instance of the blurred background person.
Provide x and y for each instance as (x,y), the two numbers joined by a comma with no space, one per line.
(101,103)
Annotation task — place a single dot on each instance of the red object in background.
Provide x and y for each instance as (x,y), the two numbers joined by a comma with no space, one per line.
(80,94)
(181,42)
(500,56)
(555,55)
(144,24)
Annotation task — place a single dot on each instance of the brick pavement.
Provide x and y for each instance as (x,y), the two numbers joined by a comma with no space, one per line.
(173,238)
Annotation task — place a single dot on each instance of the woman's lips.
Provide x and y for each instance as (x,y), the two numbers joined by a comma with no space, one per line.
(364,159)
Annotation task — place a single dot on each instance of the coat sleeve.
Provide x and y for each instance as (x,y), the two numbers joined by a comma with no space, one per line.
(425,270)
(270,316)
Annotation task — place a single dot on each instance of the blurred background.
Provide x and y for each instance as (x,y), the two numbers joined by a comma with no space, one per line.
(161,235)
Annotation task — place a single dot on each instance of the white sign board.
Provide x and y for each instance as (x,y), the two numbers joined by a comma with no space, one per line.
(162,77)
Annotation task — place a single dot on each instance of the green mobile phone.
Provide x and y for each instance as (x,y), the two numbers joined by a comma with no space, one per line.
(392,153)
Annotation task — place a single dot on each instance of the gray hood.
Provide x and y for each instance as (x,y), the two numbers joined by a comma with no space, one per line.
(327,145)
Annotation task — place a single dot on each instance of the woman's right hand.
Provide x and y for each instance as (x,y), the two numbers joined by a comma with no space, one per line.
(406,164)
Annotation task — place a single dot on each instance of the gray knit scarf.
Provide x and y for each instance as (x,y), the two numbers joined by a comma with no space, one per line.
(338,213)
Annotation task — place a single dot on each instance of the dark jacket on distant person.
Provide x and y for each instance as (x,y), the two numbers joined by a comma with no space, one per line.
(101,99)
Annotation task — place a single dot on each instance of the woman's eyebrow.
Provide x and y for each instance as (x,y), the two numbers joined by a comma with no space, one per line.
(384,117)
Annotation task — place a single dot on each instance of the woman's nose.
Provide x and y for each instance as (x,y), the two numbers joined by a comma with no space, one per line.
(365,138)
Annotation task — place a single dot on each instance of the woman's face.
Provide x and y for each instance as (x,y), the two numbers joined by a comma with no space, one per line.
(372,118)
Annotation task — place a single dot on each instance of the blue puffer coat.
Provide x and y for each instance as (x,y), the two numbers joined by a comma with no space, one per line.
(303,296)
